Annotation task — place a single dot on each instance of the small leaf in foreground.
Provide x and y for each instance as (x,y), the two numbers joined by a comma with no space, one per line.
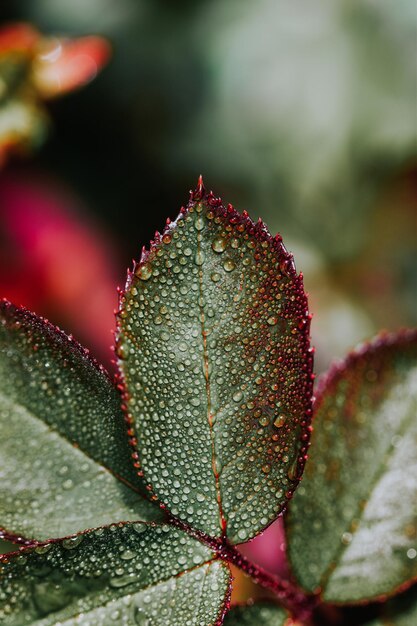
(214,351)
(258,614)
(63,443)
(135,575)
(400,611)
(352,526)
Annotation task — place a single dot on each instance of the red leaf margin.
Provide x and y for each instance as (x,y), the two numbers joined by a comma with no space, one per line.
(260,232)
(391,341)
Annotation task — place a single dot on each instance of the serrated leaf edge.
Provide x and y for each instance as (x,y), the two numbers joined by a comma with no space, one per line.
(84,353)
(384,339)
(287,266)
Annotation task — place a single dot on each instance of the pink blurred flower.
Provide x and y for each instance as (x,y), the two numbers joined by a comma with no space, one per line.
(55,262)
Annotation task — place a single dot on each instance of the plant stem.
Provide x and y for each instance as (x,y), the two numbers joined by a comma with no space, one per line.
(291,597)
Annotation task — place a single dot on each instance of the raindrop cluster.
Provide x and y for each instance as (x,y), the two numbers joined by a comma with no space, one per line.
(356,510)
(136,573)
(54,396)
(213,345)
(54,378)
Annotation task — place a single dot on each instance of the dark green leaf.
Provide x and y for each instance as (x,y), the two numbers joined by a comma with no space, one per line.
(352,526)
(132,575)
(63,438)
(259,614)
(214,350)
(400,611)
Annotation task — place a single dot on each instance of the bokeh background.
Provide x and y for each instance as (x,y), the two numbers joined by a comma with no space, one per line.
(303,113)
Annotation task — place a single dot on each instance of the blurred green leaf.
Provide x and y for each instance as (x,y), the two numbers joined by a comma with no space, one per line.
(214,349)
(308,107)
(64,448)
(135,575)
(259,614)
(400,611)
(352,525)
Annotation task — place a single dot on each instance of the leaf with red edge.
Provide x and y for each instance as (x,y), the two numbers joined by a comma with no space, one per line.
(257,614)
(131,575)
(213,346)
(352,525)
(65,461)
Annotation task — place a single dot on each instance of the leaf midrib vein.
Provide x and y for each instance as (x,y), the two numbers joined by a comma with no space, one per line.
(208,389)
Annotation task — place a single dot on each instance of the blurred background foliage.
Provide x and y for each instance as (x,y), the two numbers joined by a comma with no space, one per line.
(302,113)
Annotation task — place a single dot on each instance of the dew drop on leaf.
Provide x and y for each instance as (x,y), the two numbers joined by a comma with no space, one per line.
(280,421)
(229,265)
(204,396)
(144,272)
(219,244)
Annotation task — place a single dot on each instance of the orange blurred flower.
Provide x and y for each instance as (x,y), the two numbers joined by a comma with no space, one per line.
(34,68)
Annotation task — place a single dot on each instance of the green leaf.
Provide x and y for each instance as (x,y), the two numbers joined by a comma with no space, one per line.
(214,351)
(400,611)
(63,442)
(135,575)
(259,614)
(352,525)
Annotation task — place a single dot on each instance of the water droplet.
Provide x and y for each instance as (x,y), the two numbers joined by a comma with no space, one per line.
(346,538)
(127,555)
(229,265)
(219,244)
(280,421)
(237,397)
(215,277)
(43,549)
(199,223)
(121,581)
(144,272)
(272,320)
(141,618)
(266,469)
(72,542)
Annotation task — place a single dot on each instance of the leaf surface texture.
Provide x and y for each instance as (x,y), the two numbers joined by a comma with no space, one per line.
(132,575)
(352,525)
(260,613)
(214,350)
(63,441)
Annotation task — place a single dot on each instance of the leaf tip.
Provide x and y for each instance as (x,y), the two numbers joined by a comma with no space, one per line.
(199,192)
